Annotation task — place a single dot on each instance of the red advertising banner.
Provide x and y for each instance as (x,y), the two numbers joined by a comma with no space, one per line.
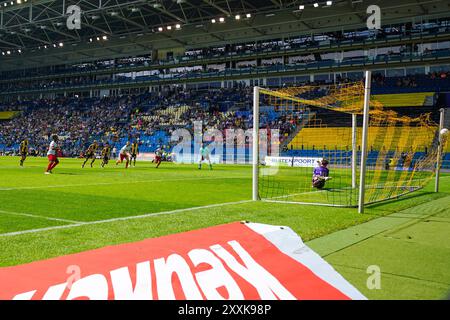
(235,261)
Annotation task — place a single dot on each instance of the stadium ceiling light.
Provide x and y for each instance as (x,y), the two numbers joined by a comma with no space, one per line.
(105,38)
(237,17)
(221,20)
(19,1)
(169,27)
(301,7)
(248,15)
(160,29)
(98,38)
(316,5)
(19,51)
(329,3)
(8,52)
(178,26)
(213,21)
(61,44)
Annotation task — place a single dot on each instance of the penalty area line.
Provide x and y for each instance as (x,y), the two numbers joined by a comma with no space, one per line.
(147,215)
(22,214)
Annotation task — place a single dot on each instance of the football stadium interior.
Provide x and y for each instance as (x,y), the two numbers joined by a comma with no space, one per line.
(170,116)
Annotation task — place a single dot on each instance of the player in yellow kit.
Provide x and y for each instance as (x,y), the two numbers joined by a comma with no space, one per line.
(90,153)
(106,152)
(23,151)
(134,152)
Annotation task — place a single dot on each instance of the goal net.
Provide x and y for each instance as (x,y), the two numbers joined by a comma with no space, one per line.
(326,125)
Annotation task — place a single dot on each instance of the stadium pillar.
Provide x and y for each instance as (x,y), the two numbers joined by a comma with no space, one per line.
(439,153)
(354,149)
(365,132)
(255,143)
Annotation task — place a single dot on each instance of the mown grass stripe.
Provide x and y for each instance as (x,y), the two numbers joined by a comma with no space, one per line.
(147,215)
(115,183)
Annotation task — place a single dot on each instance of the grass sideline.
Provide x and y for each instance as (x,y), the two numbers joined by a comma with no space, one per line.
(75,199)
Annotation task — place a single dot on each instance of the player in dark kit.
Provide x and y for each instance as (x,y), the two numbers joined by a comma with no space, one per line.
(90,153)
(106,152)
(23,151)
(321,174)
(134,152)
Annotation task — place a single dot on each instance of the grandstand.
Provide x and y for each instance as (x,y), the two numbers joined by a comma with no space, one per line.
(170,75)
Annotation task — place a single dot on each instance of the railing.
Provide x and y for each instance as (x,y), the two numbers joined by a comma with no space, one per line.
(232,74)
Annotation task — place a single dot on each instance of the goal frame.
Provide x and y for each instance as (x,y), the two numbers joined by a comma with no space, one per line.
(354,159)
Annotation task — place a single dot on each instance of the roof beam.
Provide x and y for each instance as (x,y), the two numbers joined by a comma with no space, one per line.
(212,4)
(164,10)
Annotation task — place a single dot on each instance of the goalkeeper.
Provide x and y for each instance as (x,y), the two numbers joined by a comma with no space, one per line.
(321,174)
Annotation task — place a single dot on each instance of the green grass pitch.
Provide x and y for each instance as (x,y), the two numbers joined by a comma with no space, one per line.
(78,209)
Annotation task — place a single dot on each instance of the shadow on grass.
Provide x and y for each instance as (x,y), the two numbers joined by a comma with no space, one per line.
(404,202)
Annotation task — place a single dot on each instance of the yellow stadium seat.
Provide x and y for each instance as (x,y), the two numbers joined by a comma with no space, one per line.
(8,115)
(403,99)
(387,138)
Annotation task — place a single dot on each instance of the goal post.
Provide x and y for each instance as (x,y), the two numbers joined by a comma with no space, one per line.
(354,149)
(440,149)
(384,156)
(255,144)
(365,133)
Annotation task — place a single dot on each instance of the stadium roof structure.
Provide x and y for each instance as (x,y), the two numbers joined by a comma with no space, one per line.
(34,32)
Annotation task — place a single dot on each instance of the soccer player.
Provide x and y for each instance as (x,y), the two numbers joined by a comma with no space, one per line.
(106,152)
(124,154)
(23,151)
(388,163)
(90,153)
(158,156)
(134,152)
(321,174)
(52,154)
(204,156)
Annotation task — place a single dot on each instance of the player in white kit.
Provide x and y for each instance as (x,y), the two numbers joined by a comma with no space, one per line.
(52,154)
(125,154)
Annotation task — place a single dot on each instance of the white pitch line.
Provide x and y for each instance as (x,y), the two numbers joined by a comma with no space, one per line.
(148,215)
(113,183)
(296,194)
(37,216)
